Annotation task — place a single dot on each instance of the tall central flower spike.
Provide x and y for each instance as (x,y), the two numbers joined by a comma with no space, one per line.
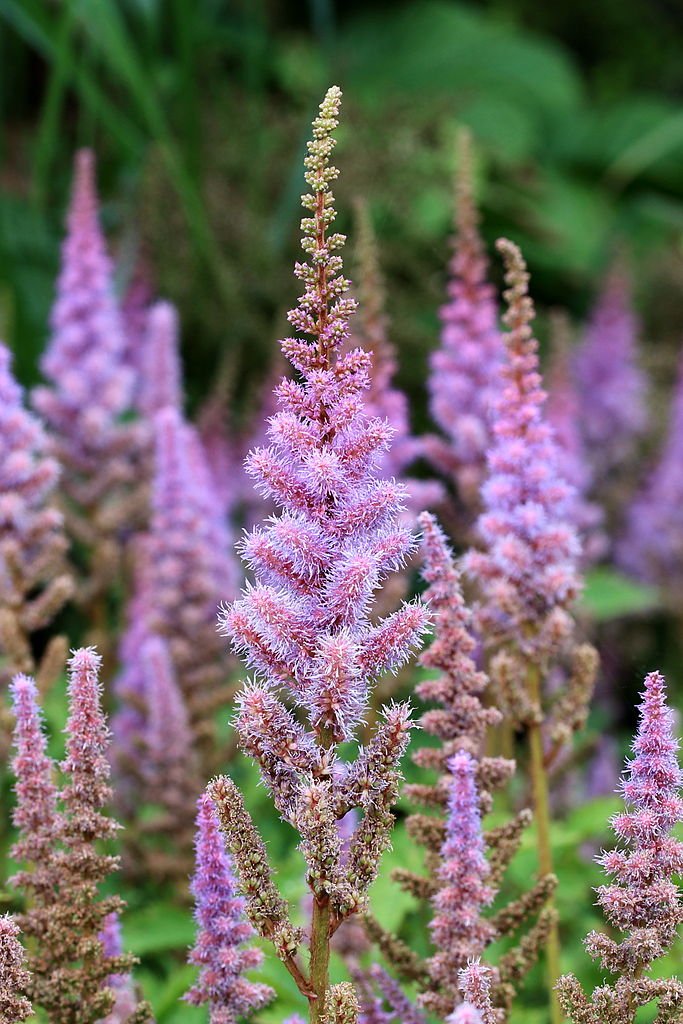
(457,888)
(304,627)
(611,385)
(464,368)
(90,391)
(33,582)
(527,571)
(643,903)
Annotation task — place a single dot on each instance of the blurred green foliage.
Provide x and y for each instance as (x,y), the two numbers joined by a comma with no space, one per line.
(199,111)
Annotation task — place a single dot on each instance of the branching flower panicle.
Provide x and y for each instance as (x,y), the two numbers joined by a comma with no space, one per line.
(304,626)
(643,903)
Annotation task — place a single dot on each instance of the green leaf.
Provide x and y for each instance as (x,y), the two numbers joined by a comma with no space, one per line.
(611,595)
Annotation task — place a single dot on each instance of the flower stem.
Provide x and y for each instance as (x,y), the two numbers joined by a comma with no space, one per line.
(320,957)
(539,782)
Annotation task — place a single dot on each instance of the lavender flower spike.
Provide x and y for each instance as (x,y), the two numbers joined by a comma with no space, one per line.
(610,383)
(528,571)
(35,815)
(90,387)
(464,369)
(653,546)
(160,370)
(642,902)
(33,581)
(223,930)
(14,978)
(459,931)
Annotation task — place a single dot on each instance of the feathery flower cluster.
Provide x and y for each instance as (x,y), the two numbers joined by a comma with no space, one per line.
(90,390)
(14,978)
(653,546)
(221,951)
(475,985)
(458,929)
(643,902)
(160,382)
(563,411)
(528,568)
(610,384)
(184,570)
(33,582)
(464,369)
(57,835)
(305,625)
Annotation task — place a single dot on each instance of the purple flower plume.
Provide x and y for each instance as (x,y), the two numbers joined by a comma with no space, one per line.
(184,569)
(642,902)
(221,950)
(160,384)
(33,584)
(459,931)
(610,384)
(564,416)
(464,368)
(304,625)
(527,569)
(35,815)
(305,622)
(653,546)
(90,385)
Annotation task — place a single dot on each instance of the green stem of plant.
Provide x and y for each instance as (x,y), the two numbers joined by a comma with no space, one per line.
(539,782)
(320,957)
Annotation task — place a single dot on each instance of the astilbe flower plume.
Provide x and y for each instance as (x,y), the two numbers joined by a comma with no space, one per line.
(222,951)
(34,583)
(652,548)
(564,416)
(14,978)
(610,384)
(89,393)
(162,770)
(643,903)
(464,368)
(462,792)
(58,832)
(184,570)
(304,625)
(459,931)
(527,570)
(160,380)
